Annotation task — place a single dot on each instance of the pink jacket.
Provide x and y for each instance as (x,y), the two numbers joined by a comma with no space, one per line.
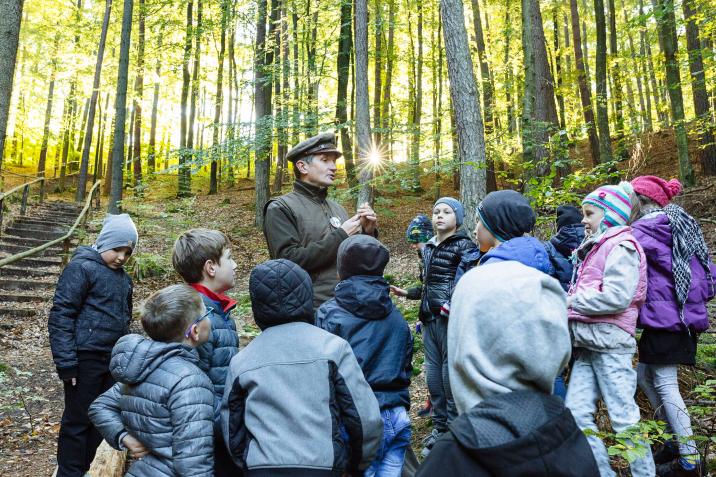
(590,275)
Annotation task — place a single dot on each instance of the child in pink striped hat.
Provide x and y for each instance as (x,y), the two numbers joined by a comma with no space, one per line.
(604,302)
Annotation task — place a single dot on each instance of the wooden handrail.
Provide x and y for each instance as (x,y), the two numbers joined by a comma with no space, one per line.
(21,186)
(65,238)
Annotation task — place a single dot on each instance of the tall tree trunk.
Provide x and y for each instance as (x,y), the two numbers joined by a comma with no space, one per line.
(417,105)
(231,119)
(437,93)
(649,62)
(108,179)
(218,102)
(644,107)
(487,89)
(120,106)
(511,121)
(585,92)
(386,107)
(605,145)
(10,19)
(99,152)
(616,72)
(362,105)
(262,107)
(48,109)
(130,149)
(539,112)
(312,92)
(195,82)
(558,69)
(378,68)
(281,97)
(138,93)
(84,164)
(700,95)
(465,106)
(184,176)
(666,21)
(151,152)
(585,42)
(345,44)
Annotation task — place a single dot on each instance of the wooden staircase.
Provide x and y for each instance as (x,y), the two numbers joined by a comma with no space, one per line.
(27,284)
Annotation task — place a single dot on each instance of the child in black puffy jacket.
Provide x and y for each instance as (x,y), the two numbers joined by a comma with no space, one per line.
(441,257)
(91,311)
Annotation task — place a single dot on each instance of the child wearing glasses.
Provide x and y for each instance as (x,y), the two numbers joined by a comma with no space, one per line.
(162,407)
(91,310)
(202,257)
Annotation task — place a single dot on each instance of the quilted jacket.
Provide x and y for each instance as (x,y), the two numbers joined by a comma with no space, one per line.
(91,310)
(165,401)
(292,391)
(215,355)
(440,263)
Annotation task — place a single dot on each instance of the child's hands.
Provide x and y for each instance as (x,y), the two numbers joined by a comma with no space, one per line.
(398,291)
(136,448)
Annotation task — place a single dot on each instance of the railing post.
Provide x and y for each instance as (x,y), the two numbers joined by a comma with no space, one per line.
(65,252)
(42,190)
(25,191)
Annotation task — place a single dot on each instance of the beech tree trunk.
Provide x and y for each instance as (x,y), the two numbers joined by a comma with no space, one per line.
(218,102)
(48,109)
(585,92)
(539,112)
(345,44)
(605,145)
(700,95)
(120,106)
(362,106)
(10,19)
(152,151)
(184,175)
(465,106)
(262,108)
(84,163)
(666,21)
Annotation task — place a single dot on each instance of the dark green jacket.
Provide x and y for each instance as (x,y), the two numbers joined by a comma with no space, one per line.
(297,227)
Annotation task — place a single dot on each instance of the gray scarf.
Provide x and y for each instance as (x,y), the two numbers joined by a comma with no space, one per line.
(688,241)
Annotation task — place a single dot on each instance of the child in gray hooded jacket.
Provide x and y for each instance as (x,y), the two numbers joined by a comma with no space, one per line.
(161,409)
(296,388)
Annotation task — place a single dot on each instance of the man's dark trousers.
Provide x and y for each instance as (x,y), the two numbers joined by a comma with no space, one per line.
(78,439)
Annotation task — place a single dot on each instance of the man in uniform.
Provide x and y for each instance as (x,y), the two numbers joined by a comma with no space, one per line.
(306,227)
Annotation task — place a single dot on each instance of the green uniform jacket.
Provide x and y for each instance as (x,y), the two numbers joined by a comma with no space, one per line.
(298,227)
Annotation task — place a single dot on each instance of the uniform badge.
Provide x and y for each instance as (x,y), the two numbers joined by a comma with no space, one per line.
(335,222)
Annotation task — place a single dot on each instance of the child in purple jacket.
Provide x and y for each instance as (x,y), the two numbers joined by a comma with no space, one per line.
(680,282)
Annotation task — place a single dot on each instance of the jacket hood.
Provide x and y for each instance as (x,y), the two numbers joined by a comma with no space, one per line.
(507,332)
(495,422)
(527,250)
(135,357)
(365,296)
(657,226)
(568,239)
(519,430)
(88,253)
(281,292)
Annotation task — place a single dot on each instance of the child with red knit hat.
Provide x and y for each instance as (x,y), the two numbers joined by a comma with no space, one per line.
(680,282)
(603,303)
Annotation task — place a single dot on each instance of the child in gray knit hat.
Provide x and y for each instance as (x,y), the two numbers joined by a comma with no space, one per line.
(92,309)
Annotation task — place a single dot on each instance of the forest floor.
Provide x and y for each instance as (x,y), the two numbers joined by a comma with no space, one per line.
(31,399)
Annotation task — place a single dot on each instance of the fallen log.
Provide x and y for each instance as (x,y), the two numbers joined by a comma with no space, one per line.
(107,462)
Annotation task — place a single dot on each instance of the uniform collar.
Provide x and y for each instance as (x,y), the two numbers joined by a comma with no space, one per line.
(310,190)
